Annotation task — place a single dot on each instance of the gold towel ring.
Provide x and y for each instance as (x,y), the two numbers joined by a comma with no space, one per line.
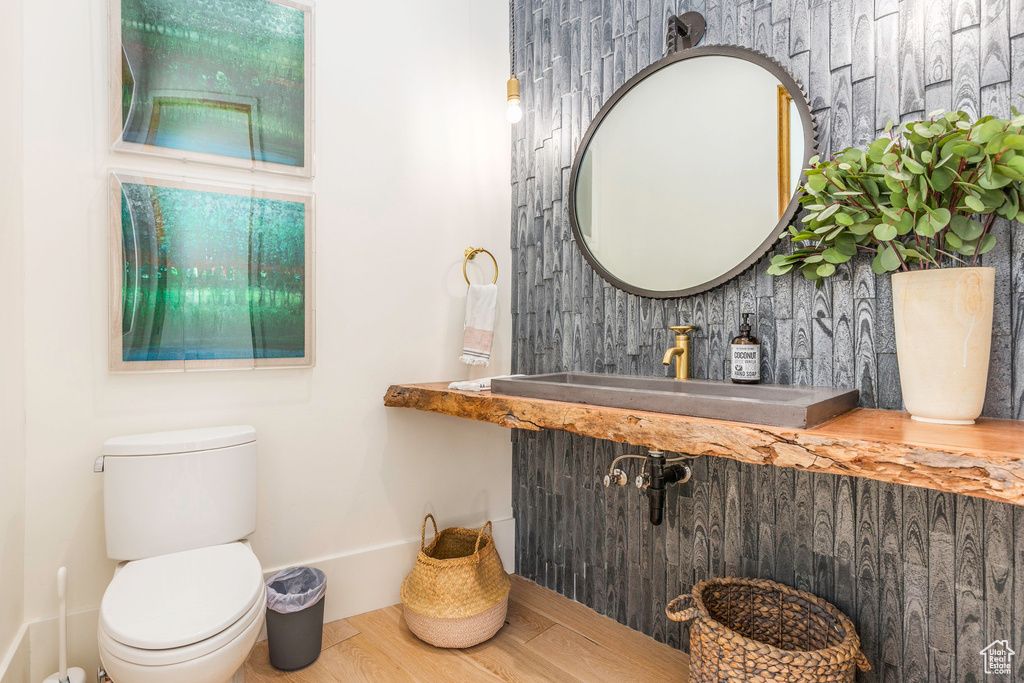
(471,254)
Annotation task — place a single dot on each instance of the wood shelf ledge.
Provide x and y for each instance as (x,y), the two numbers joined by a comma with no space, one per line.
(985,460)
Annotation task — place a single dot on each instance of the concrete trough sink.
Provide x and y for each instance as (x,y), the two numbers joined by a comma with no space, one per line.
(766,404)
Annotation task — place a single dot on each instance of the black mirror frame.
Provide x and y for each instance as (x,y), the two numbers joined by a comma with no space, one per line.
(810,129)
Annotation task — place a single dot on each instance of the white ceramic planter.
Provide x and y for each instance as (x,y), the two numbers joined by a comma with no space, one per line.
(943,338)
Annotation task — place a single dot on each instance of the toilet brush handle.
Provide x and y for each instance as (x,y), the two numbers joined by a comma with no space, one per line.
(62,625)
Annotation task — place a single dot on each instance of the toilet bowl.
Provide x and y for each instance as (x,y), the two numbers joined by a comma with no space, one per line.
(189,616)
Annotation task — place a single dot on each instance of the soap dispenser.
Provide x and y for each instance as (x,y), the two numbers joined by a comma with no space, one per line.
(745,356)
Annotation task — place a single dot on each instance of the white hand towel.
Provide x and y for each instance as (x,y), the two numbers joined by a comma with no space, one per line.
(480,305)
(482,384)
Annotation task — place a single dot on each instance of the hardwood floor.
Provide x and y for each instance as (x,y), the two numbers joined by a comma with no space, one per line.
(546,637)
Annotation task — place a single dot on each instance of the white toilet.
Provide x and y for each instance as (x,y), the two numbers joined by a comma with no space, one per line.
(187,601)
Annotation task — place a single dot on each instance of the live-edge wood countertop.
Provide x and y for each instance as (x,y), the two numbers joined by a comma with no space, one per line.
(985,460)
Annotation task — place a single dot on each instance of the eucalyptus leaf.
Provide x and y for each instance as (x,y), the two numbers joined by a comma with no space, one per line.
(912,165)
(925,227)
(877,266)
(816,183)
(885,232)
(924,131)
(833,255)
(941,179)
(974,203)
(890,259)
(940,218)
(877,149)
(828,211)
(966,228)
(1014,141)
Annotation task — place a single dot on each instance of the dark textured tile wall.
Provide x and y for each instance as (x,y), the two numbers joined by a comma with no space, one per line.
(928,578)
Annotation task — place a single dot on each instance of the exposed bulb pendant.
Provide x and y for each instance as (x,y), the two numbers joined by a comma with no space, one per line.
(515,112)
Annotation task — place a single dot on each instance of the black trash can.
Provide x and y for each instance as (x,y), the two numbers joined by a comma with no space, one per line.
(295,617)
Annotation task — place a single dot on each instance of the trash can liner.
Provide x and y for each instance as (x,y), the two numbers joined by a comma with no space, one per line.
(295,589)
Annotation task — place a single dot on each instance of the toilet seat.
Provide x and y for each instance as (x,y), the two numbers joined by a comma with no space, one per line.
(251,621)
(180,606)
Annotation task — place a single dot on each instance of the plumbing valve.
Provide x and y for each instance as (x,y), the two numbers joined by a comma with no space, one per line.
(617,477)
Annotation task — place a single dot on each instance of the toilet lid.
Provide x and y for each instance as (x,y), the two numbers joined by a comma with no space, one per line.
(179,599)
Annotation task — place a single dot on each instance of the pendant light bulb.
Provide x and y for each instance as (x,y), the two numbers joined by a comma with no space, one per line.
(515,111)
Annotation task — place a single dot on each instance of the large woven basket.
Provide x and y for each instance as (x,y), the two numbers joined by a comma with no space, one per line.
(760,631)
(457,594)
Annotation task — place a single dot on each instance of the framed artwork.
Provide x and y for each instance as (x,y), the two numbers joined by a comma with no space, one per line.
(207,277)
(228,82)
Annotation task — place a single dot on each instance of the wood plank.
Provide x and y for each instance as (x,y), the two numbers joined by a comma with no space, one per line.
(915,584)
(734,518)
(969,589)
(982,460)
(864,38)
(359,659)
(938,41)
(632,645)
(823,536)
(999,570)
(844,546)
(941,588)
(819,88)
(1018,588)
(966,78)
(887,86)
(890,628)
(573,653)
(803,556)
(995,42)
(912,54)
(867,610)
(515,662)
(387,629)
(522,623)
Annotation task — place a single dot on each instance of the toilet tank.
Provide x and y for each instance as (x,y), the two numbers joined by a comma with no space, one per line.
(172,491)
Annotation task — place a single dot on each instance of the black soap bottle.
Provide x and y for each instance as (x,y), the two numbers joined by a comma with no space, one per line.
(745,356)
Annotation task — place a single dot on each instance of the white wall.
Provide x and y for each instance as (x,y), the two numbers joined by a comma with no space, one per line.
(412,160)
(12,405)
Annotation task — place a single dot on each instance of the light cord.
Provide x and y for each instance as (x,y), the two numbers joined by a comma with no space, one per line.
(512,35)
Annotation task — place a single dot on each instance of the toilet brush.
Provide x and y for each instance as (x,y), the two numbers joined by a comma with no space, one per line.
(65,675)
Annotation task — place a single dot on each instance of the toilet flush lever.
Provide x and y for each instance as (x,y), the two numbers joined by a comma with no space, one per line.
(97,466)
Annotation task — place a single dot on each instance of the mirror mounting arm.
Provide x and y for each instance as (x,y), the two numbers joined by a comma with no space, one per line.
(684,31)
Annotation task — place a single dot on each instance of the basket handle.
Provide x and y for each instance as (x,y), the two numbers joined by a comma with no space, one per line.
(486,528)
(862,661)
(423,533)
(675,612)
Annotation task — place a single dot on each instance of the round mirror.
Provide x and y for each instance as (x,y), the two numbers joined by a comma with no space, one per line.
(688,174)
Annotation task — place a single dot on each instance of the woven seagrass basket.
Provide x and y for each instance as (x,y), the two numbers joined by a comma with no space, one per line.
(457,594)
(761,631)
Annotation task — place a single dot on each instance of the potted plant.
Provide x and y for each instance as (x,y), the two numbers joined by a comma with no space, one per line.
(922,204)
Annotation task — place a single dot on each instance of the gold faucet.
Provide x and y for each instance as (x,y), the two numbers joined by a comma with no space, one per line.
(681,351)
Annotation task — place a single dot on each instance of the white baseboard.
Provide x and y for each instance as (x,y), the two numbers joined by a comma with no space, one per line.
(82,650)
(370,579)
(14,667)
(357,582)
